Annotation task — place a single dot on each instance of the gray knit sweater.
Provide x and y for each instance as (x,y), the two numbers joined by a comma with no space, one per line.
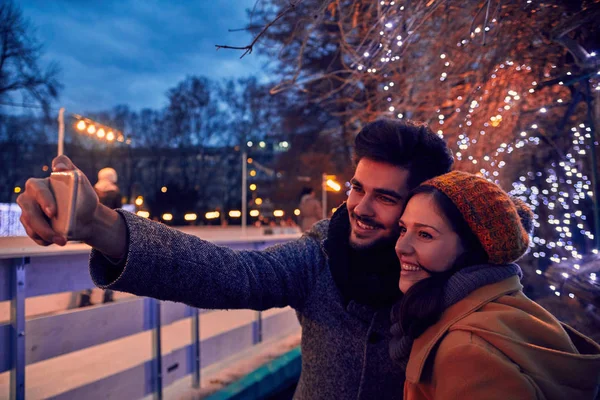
(344,348)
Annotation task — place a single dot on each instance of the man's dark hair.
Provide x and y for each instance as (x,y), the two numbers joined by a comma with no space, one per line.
(404,144)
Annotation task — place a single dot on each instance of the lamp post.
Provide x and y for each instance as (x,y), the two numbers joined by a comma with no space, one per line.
(324,195)
(328,183)
(61,131)
(102,132)
(244,190)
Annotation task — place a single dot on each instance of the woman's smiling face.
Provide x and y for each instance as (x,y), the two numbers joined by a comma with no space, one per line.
(426,240)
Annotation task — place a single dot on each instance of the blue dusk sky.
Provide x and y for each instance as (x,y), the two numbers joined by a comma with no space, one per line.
(132,51)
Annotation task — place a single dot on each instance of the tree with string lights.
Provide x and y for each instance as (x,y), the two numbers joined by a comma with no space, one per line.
(513,86)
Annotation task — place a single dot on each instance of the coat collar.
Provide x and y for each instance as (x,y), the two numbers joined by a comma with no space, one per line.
(424,344)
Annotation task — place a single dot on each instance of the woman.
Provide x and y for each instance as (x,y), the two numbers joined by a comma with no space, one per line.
(463,328)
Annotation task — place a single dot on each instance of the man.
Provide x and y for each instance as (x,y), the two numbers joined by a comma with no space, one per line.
(341,277)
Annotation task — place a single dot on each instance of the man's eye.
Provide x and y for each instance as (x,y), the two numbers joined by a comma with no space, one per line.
(357,189)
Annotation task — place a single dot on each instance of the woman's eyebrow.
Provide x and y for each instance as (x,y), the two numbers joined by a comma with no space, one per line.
(418,225)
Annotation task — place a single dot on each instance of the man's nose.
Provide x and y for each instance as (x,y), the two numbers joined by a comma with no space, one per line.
(364,207)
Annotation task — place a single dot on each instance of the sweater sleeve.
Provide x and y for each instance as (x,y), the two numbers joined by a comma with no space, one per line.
(168,264)
(472,371)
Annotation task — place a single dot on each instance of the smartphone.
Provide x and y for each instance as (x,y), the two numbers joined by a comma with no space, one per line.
(65,187)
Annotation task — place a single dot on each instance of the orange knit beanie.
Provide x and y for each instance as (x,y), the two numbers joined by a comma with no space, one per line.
(489,212)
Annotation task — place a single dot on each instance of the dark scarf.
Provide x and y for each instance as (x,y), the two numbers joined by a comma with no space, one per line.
(458,286)
(367,276)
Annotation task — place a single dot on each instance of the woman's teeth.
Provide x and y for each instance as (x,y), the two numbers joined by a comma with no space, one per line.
(410,267)
(364,226)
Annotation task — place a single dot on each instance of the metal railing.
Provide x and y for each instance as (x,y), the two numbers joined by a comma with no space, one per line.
(27,343)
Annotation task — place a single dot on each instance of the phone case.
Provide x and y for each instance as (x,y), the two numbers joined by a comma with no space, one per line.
(65,187)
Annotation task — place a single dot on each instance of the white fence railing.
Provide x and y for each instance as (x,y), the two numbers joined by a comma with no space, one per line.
(10,214)
(123,350)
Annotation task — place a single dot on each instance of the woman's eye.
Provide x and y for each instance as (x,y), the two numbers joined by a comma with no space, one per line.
(425,235)
(402,230)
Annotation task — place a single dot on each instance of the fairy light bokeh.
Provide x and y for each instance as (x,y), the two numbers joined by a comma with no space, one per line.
(555,192)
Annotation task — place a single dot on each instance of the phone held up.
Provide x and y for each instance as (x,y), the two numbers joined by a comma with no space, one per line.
(65,186)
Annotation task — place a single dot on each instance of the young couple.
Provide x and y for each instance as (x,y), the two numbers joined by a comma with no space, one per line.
(410,290)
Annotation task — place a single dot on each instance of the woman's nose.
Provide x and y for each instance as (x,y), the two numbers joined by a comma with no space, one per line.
(403,245)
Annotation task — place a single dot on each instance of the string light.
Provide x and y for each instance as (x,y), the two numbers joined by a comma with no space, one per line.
(556,192)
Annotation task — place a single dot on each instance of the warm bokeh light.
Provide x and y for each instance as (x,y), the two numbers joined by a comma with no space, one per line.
(333,185)
(163,189)
(254,213)
(262,144)
(167,217)
(278,213)
(334,209)
(496,120)
(91,129)
(17,189)
(235,213)
(101,133)
(212,215)
(81,125)
(258,201)
(250,160)
(190,217)
(253,187)
(45,168)
(296,212)
(110,136)
(143,214)
(252,173)
(139,201)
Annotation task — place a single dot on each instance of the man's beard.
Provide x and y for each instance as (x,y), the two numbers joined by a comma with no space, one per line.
(381,243)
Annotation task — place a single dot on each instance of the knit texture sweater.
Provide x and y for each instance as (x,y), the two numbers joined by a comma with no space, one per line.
(344,342)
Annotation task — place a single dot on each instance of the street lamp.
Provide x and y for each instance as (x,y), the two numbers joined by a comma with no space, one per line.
(87,125)
(328,183)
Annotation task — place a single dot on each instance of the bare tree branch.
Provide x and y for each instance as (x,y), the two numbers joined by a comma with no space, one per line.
(248,48)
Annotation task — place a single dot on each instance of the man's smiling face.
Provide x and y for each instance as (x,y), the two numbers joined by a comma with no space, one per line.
(376,201)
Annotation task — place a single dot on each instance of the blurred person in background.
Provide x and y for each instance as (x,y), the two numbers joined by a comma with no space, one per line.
(311,211)
(107,190)
(109,195)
